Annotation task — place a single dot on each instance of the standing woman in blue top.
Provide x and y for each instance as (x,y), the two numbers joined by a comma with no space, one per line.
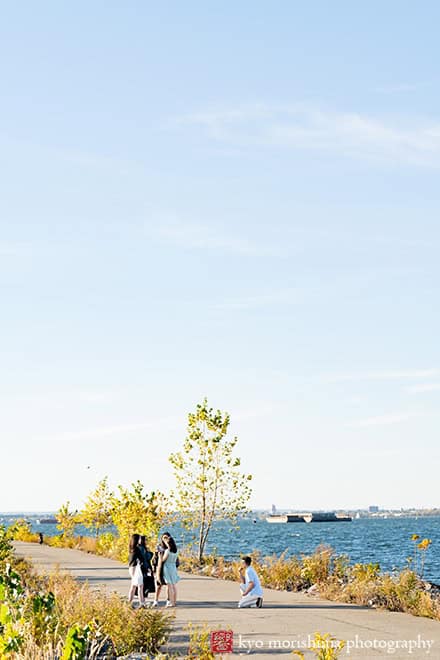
(170,576)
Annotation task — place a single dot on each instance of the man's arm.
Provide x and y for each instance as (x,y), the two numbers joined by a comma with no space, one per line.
(249,588)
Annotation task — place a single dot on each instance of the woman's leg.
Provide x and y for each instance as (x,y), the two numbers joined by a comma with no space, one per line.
(132,589)
(131,593)
(157,594)
(172,593)
(141,594)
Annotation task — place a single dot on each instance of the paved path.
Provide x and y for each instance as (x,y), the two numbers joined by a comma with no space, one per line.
(285,620)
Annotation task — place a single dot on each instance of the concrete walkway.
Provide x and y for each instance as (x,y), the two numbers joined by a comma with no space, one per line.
(283,624)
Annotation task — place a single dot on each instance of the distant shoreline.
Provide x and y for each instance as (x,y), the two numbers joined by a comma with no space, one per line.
(363,513)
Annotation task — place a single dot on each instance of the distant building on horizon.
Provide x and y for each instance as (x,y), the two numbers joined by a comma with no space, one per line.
(373,508)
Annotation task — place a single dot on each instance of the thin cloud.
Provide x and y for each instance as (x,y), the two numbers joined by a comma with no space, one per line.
(306,127)
(404,87)
(380,420)
(15,249)
(399,374)
(263,410)
(118,429)
(308,291)
(420,388)
(198,236)
(272,298)
(399,88)
(379,453)
(63,398)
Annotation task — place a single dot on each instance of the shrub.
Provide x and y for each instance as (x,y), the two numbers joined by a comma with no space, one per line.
(106,545)
(199,643)
(283,573)
(42,617)
(130,630)
(341,567)
(365,572)
(85,643)
(21,531)
(86,544)
(316,567)
(405,593)
(324,647)
(60,541)
(5,544)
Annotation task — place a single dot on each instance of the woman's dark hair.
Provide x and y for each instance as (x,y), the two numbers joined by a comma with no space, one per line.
(170,542)
(134,541)
(142,541)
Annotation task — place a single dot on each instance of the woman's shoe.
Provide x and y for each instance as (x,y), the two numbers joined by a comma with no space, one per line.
(259,602)
(155,603)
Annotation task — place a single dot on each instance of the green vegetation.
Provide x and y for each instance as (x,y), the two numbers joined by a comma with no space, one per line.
(54,616)
(209,484)
(5,543)
(419,557)
(132,510)
(21,531)
(199,647)
(97,511)
(67,520)
(324,647)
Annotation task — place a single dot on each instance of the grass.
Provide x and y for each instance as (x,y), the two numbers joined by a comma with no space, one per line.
(51,616)
(324,647)
(129,630)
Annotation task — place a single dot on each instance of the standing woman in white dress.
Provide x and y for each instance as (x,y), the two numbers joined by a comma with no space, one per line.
(170,575)
(135,560)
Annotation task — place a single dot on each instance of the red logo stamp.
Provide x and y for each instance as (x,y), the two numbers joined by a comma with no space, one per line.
(222,641)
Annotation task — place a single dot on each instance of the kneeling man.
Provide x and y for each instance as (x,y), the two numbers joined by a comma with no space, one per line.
(250,587)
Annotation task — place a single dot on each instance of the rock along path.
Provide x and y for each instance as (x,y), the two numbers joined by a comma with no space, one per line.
(285,621)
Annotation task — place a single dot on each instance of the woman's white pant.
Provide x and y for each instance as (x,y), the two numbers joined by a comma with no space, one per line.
(246,601)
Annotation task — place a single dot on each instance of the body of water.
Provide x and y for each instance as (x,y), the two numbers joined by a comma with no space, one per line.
(385,541)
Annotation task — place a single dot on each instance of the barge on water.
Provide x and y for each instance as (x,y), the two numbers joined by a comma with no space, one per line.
(313,517)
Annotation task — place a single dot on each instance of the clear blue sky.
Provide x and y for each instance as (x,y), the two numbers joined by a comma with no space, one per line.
(231,199)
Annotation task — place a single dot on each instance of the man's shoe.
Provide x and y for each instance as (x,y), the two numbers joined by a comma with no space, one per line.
(259,602)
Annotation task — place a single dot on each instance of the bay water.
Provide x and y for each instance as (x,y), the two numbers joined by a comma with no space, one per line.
(386,541)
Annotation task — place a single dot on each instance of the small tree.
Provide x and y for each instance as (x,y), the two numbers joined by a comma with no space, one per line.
(67,520)
(209,484)
(6,548)
(134,511)
(97,511)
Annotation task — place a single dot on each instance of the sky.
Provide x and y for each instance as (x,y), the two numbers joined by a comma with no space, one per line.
(237,200)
